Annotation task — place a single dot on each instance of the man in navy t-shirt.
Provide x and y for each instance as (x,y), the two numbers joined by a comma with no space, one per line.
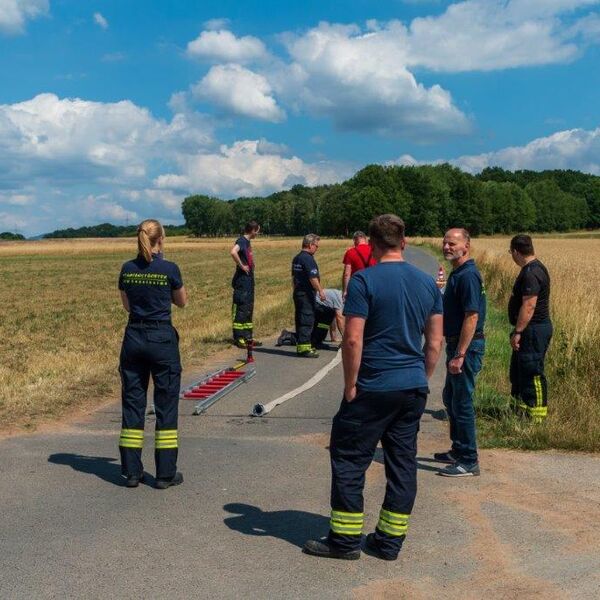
(464,318)
(388,310)
(243,286)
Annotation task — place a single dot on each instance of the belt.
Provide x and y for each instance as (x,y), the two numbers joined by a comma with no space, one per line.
(453,339)
(134,321)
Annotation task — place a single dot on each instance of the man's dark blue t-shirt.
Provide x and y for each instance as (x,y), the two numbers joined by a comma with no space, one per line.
(245,253)
(304,268)
(148,287)
(396,299)
(464,292)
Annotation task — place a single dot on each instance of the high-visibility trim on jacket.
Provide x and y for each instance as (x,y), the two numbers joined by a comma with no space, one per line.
(323,325)
(131,438)
(165,439)
(394,524)
(346,523)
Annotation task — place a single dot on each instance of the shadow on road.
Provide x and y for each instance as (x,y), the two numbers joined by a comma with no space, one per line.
(293,526)
(101,466)
(378,457)
(276,351)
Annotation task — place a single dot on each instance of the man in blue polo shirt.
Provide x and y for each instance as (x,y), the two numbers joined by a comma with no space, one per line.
(389,308)
(464,318)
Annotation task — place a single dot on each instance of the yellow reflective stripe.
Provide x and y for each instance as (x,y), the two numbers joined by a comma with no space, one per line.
(124,443)
(165,433)
(391,529)
(346,517)
(166,445)
(138,433)
(303,347)
(538,390)
(394,518)
(345,530)
(322,326)
(238,326)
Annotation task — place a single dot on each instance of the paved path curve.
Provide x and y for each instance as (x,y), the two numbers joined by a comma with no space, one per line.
(255,489)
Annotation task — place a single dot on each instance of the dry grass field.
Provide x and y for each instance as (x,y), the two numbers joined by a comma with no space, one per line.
(574,357)
(62,320)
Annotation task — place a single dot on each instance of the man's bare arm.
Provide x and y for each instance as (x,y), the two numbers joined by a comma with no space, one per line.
(434,336)
(316,284)
(467,332)
(352,346)
(525,313)
(235,254)
(179,297)
(346,279)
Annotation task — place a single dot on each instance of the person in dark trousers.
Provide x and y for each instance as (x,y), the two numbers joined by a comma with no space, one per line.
(329,317)
(529,314)
(464,319)
(149,284)
(389,308)
(359,257)
(243,286)
(305,282)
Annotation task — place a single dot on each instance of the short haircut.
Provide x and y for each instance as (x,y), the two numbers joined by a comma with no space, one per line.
(463,232)
(251,226)
(357,235)
(309,239)
(522,244)
(386,231)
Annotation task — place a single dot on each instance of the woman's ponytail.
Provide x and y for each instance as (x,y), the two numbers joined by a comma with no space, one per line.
(148,234)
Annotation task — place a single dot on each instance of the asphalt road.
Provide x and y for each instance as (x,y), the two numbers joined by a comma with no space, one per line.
(256,488)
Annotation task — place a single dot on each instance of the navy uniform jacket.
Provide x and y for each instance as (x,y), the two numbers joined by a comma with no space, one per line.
(304,268)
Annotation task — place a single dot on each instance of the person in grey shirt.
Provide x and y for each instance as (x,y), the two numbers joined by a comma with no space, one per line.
(333,301)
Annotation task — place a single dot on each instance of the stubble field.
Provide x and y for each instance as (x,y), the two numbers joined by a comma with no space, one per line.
(62,320)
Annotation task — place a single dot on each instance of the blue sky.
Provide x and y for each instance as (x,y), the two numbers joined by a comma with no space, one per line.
(114,110)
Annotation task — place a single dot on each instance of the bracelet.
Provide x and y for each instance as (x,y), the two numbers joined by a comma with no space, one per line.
(515,332)
(459,355)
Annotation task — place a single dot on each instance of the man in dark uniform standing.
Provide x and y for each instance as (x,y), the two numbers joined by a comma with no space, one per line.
(389,308)
(464,318)
(243,286)
(529,314)
(306,281)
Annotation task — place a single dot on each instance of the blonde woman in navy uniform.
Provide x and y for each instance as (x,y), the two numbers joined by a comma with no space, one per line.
(149,284)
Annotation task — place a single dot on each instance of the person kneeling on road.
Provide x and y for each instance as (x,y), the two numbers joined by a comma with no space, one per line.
(389,307)
(329,317)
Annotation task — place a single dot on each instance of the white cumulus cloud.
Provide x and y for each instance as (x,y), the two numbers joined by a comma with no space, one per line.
(362,83)
(239,91)
(576,149)
(245,169)
(100,20)
(14,13)
(224,46)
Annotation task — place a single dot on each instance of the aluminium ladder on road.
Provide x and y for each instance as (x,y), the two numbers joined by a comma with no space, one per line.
(214,386)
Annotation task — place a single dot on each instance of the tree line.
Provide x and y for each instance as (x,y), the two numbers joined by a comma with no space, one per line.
(107,230)
(430,198)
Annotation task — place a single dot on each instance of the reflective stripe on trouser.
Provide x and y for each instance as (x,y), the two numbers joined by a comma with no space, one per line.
(346,523)
(165,439)
(243,307)
(131,438)
(392,523)
(392,418)
(529,386)
(300,348)
(323,319)
(149,350)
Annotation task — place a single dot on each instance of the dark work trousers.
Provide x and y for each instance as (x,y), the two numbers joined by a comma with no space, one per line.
(243,305)
(304,303)
(150,348)
(323,318)
(458,400)
(529,386)
(390,417)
